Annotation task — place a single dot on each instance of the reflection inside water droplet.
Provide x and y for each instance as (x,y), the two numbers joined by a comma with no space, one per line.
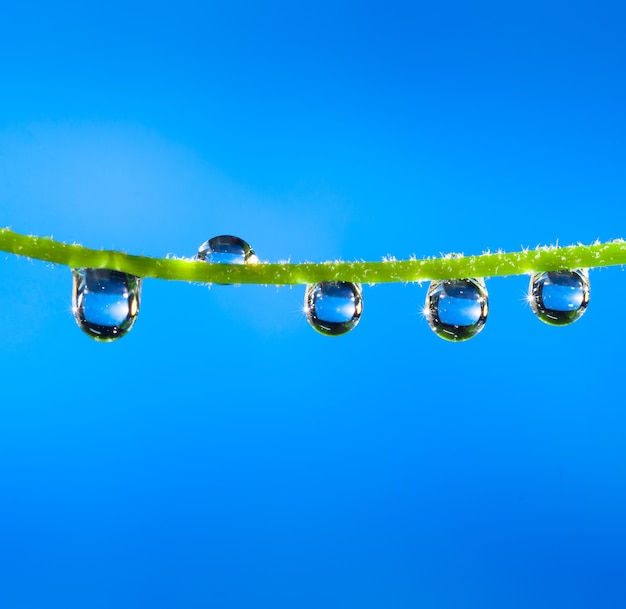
(227,249)
(559,298)
(333,307)
(105,303)
(456,309)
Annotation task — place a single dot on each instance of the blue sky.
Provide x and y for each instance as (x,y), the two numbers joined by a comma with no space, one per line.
(224,454)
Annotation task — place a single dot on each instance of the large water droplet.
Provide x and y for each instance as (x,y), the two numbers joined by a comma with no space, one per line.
(227,249)
(105,303)
(456,309)
(333,307)
(559,298)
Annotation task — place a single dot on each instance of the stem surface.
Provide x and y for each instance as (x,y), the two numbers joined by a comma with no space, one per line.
(547,258)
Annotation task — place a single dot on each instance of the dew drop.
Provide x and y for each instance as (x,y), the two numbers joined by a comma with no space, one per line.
(559,298)
(456,309)
(227,249)
(333,307)
(105,303)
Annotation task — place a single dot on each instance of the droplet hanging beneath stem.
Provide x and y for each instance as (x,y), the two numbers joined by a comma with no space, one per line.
(105,303)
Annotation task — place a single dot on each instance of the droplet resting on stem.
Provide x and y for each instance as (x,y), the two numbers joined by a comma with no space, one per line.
(226,249)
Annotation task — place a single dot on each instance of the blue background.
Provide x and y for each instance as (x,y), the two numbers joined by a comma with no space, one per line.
(224,454)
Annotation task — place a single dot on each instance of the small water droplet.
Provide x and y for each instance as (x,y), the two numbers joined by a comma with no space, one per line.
(227,249)
(559,298)
(333,307)
(105,303)
(456,309)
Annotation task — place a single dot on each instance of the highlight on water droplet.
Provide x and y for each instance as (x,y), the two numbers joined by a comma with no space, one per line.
(105,303)
(456,309)
(333,308)
(227,249)
(561,297)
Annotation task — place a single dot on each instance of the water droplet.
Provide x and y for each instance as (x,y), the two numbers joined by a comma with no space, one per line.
(105,303)
(456,309)
(559,298)
(227,249)
(333,307)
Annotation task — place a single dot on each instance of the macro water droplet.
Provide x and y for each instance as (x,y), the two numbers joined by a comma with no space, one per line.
(333,307)
(456,309)
(559,298)
(105,303)
(227,249)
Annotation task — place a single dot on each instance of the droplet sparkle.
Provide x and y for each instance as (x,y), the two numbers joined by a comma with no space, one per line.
(559,298)
(105,303)
(456,309)
(333,307)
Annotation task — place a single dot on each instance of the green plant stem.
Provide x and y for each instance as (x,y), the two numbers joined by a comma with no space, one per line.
(446,267)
